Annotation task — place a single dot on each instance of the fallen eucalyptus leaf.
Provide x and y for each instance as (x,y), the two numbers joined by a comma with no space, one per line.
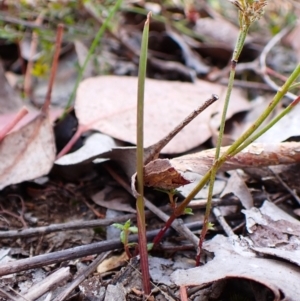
(29,152)
(108,104)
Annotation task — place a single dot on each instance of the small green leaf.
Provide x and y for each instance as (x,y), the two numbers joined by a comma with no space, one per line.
(122,237)
(127,225)
(188,211)
(210,226)
(118,226)
(150,246)
(133,229)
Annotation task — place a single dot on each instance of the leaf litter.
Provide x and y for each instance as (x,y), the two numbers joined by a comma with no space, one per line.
(235,257)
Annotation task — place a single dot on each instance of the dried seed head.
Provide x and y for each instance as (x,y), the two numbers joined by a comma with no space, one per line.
(250,10)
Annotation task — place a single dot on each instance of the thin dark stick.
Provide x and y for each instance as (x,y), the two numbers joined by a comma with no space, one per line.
(59,35)
(68,254)
(74,253)
(295,196)
(38,231)
(66,226)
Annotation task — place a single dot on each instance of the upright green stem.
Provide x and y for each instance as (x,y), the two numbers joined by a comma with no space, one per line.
(235,57)
(140,161)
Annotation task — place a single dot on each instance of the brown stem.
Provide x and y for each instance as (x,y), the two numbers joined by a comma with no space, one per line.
(33,48)
(59,36)
(7,128)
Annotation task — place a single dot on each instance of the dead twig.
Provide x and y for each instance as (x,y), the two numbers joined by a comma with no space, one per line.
(65,226)
(58,41)
(68,254)
(220,218)
(295,196)
(33,48)
(263,58)
(20,216)
(44,285)
(81,277)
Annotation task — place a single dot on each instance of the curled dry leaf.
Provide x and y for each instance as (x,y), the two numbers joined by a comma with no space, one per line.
(234,260)
(108,104)
(255,155)
(93,147)
(29,152)
(160,173)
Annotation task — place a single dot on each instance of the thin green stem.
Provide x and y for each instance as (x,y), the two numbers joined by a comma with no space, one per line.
(140,160)
(235,57)
(92,49)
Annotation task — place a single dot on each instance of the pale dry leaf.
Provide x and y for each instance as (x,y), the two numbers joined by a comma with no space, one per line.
(276,213)
(185,190)
(108,104)
(278,276)
(29,152)
(238,187)
(287,127)
(94,145)
(112,263)
(218,30)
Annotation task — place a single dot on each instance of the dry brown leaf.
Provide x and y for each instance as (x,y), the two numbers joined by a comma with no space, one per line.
(108,104)
(29,152)
(160,173)
(255,155)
